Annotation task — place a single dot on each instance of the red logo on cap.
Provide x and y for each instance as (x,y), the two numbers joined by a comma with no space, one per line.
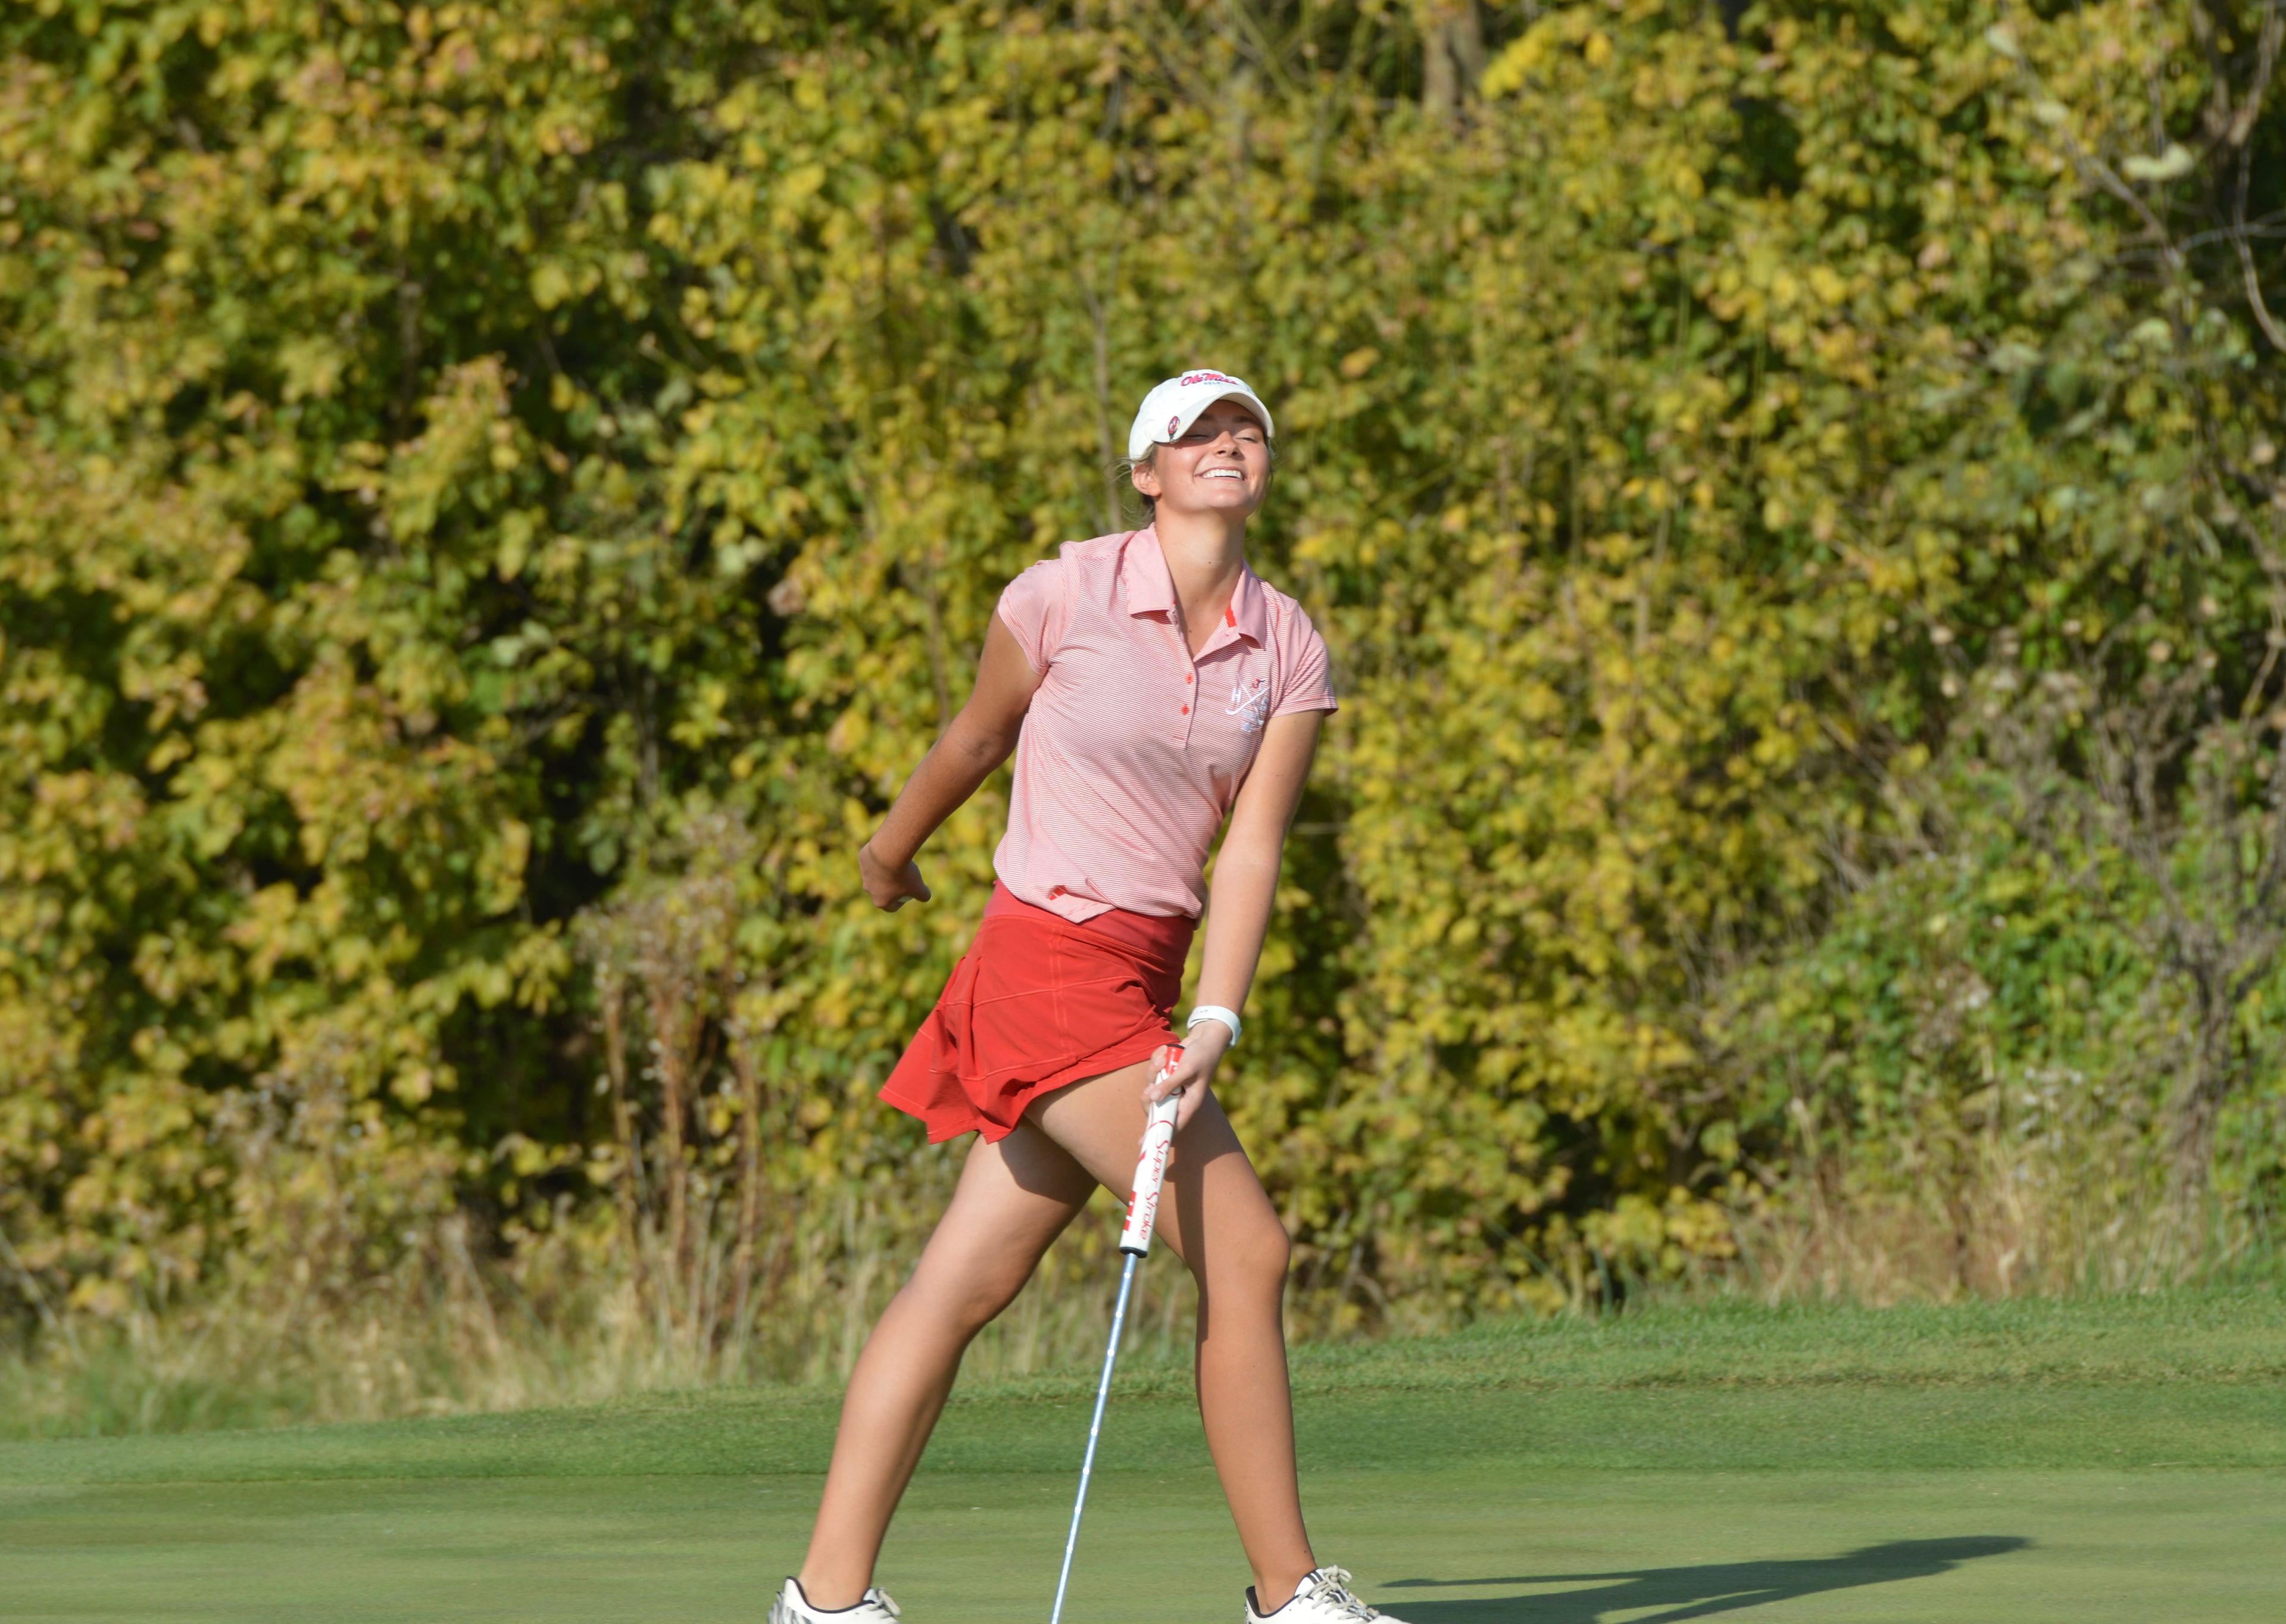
(1190,378)
(1174,423)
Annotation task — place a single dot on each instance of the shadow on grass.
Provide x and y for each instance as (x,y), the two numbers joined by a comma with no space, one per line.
(1698,1592)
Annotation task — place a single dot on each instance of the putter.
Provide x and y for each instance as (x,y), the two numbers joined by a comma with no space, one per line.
(1135,1241)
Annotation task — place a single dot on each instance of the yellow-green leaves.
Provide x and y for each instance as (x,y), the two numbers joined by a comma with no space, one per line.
(458,455)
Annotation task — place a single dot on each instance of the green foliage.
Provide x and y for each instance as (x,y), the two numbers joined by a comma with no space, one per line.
(463,460)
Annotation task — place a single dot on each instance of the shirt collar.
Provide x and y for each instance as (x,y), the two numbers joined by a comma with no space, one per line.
(1149,589)
(1248,613)
(1143,578)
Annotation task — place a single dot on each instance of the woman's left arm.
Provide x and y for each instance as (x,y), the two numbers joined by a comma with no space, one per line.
(1239,903)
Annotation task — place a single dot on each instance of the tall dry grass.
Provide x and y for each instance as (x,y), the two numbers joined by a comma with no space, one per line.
(565,1323)
(575,1319)
(2068,1209)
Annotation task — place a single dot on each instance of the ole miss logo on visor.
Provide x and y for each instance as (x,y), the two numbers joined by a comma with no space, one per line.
(1190,378)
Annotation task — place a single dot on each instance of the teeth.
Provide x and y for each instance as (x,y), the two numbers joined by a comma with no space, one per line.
(1223,473)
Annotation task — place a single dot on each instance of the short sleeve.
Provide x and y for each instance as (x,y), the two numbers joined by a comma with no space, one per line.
(1032,607)
(1309,684)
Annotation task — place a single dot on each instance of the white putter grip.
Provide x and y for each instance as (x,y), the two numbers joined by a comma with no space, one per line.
(1151,1171)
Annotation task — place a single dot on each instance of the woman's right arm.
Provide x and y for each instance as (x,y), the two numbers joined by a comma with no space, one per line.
(979,740)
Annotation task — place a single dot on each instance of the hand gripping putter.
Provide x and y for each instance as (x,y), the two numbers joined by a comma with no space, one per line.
(1135,1241)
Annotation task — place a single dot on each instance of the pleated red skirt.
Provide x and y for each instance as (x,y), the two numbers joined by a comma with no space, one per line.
(1035,1003)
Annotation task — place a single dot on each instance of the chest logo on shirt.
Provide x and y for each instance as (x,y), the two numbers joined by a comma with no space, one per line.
(1250,703)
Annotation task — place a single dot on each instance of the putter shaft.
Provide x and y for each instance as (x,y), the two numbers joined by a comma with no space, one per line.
(1135,1241)
(1094,1430)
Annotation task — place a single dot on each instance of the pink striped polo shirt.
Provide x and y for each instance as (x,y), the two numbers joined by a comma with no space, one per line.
(1133,751)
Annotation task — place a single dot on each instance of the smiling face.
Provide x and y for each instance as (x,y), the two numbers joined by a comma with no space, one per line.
(1221,464)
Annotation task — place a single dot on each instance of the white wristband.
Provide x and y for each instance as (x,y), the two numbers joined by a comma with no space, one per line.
(1215,1012)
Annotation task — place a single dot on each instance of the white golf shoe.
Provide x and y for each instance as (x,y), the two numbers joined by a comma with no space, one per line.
(793,1607)
(1322,1598)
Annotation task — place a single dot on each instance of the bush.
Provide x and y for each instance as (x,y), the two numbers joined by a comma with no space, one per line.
(461,456)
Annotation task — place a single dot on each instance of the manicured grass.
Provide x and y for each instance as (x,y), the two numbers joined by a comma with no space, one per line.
(2090,1461)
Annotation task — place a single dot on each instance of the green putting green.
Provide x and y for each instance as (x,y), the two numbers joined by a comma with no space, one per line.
(2091,1461)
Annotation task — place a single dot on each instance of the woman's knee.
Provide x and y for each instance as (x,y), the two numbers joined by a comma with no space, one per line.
(1252,1256)
(968,1299)
(1274,1252)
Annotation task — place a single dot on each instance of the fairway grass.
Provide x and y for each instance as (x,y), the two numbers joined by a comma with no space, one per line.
(2088,1462)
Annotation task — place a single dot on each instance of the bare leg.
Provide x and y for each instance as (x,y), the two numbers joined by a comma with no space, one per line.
(1222,1225)
(1013,1199)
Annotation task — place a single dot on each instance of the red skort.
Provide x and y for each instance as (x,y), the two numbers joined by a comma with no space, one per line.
(1037,1003)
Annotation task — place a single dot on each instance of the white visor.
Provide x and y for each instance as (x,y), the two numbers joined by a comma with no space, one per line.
(1173,407)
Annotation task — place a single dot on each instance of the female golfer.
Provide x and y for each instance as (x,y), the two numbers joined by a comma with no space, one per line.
(1150,684)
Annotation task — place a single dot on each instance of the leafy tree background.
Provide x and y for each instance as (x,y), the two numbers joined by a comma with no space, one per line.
(497,496)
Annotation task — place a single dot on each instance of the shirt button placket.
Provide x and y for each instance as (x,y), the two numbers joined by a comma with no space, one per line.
(1190,678)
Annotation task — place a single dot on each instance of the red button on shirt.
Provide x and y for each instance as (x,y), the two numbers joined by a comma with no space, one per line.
(1186,710)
